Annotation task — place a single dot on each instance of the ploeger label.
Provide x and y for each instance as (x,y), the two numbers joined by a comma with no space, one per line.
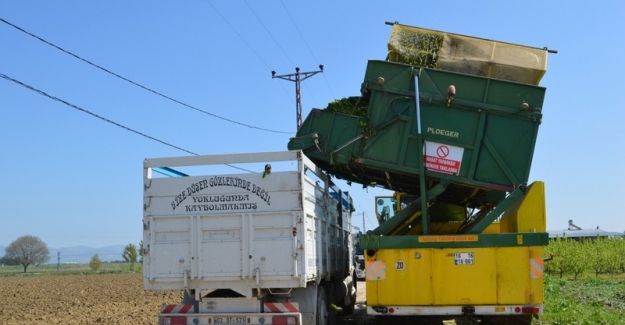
(221,181)
(451,134)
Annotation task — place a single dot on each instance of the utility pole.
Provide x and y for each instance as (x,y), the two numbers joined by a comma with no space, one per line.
(298,77)
(364,225)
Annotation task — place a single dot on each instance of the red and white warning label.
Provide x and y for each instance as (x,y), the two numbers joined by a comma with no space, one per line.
(442,158)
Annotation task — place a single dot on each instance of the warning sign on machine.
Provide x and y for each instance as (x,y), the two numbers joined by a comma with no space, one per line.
(442,158)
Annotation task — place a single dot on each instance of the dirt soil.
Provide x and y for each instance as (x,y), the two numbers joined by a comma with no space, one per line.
(94,299)
(80,299)
(107,299)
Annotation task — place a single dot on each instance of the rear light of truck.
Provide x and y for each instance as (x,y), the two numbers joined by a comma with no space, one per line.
(527,310)
(284,320)
(174,320)
(530,310)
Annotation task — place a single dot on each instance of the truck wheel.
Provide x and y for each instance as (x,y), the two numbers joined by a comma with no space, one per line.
(349,309)
(322,307)
(331,301)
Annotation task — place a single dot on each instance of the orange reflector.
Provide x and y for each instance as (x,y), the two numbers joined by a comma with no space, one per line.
(284,320)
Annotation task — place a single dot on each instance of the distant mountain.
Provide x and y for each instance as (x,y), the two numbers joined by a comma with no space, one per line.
(81,254)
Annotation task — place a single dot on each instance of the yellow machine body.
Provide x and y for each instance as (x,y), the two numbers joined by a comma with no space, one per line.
(443,276)
(448,269)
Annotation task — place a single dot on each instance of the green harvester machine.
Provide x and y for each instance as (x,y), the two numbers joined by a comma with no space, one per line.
(449,123)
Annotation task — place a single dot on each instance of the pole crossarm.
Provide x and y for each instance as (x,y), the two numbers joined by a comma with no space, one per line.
(297,77)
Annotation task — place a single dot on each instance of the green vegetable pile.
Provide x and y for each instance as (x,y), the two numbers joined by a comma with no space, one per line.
(415,48)
(355,106)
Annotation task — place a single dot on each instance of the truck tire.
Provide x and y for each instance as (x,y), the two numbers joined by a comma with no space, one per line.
(349,309)
(330,291)
(322,313)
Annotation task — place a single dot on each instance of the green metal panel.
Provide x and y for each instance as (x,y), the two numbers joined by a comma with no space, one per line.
(491,123)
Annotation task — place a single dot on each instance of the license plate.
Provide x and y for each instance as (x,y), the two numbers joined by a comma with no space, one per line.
(464,258)
(229,320)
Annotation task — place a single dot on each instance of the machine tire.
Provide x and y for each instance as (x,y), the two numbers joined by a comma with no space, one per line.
(322,312)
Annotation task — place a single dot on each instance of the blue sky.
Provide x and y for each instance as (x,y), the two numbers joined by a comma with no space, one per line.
(73,179)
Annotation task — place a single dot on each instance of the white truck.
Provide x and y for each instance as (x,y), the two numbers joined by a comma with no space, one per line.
(268,244)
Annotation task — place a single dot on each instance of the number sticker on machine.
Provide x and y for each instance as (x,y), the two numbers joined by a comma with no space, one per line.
(464,259)
(229,320)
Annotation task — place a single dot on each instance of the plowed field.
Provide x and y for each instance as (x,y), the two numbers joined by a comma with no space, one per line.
(93,299)
(80,299)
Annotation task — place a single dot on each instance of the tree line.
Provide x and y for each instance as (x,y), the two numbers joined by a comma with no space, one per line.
(598,255)
(31,250)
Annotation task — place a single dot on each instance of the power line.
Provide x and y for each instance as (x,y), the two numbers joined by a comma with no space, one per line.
(2,75)
(139,85)
(244,41)
(297,87)
(271,35)
(239,35)
(298,31)
(298,93)
(306,43)
(92,114)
